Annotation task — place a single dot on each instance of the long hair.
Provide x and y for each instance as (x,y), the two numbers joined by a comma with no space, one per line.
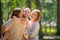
(38,14)
(15,12)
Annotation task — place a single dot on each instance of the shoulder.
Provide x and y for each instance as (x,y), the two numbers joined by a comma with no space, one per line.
(7,23)
(36,23)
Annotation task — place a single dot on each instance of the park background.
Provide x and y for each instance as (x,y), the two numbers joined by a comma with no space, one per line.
(50,15)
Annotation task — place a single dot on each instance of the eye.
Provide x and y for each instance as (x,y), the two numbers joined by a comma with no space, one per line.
(25,11)
(34,14)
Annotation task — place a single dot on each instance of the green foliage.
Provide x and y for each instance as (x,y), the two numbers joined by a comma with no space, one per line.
(49,31)
(48,10)
(8,5)
(48,7)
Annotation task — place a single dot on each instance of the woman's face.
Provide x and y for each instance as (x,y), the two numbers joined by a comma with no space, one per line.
(20,14)
(34,16)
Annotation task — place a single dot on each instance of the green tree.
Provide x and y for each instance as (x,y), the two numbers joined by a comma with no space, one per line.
(38,6)
(1,18)
(58,17)
(28,3)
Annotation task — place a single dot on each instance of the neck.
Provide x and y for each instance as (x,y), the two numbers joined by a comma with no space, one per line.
(33,20)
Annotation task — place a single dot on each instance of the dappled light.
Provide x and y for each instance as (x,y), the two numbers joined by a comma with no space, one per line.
(49,17)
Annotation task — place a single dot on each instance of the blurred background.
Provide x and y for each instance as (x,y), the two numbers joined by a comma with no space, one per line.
(50,15)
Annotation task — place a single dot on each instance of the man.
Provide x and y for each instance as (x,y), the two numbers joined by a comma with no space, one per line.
(27,12)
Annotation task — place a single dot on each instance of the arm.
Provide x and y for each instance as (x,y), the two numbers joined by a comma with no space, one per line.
(4,33)
(16,20)
(35,31)
(3,30)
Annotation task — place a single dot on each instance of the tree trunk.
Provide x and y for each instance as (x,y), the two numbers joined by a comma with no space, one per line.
(1,18)
(38,6)
(28,3)
(58,17)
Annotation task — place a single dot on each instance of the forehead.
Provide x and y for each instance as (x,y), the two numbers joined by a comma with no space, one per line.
(27,10)
(34,12)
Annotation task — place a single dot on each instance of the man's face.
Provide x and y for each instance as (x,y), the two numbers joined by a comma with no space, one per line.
(27,13)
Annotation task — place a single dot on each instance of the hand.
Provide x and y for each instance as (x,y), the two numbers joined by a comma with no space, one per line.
(6,35)
(26,35)
(16,19)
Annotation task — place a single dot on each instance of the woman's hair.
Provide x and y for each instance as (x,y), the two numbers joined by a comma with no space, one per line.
(23,16)
(16,12)
(38,14)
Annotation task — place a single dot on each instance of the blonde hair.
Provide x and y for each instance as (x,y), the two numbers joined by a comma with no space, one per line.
(38,14)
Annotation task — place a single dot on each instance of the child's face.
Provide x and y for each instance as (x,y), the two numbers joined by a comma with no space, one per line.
(34,16)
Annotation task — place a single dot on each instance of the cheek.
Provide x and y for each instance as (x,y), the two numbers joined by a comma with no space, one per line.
(20,15)
(31,16)
(35,17)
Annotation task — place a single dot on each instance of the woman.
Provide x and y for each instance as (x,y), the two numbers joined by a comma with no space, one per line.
(34,25)
(13,28)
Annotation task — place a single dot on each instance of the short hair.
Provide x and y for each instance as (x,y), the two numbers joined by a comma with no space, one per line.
(27,9)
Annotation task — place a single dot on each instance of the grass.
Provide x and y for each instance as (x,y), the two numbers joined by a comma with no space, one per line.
(49,30)
(49,39)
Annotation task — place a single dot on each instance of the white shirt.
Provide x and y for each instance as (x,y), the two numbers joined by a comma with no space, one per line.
(33,31)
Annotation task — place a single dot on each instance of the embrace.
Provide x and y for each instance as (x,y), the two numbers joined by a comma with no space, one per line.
(22,25)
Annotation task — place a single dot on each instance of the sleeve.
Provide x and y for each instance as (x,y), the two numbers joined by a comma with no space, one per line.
(35,30)
(8,23)
(4,27)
